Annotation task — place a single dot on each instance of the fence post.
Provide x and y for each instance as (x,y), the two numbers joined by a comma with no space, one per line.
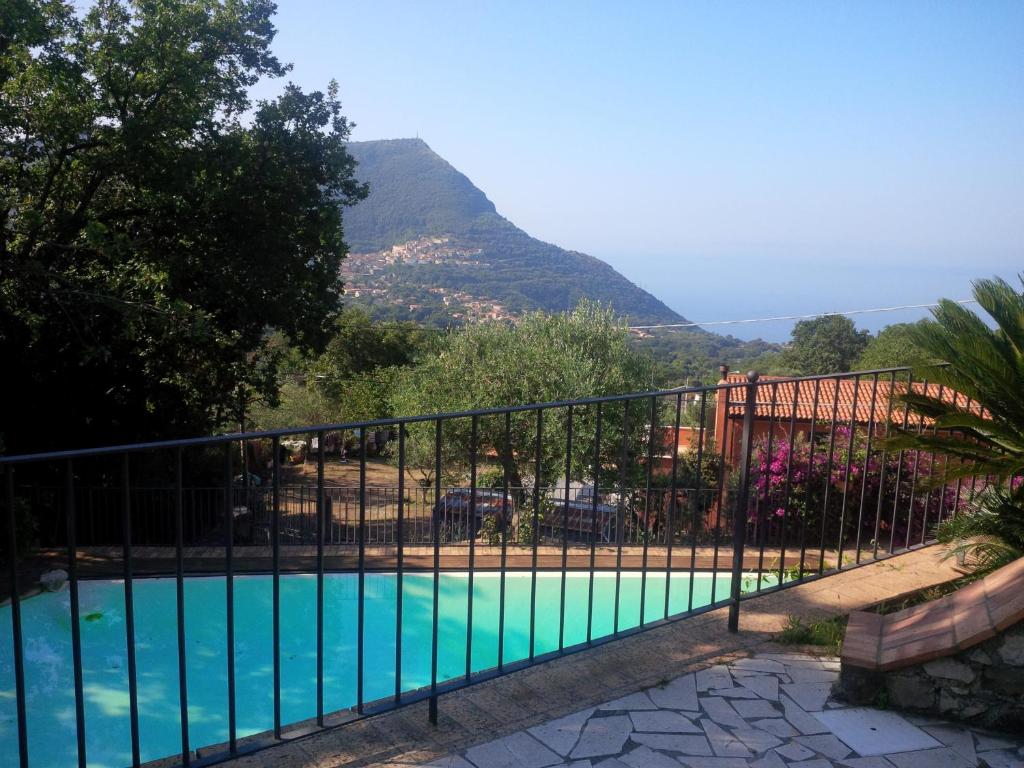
(329,517)
(739,520)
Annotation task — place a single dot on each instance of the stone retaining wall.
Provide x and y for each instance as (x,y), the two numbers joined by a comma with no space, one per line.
(983,685)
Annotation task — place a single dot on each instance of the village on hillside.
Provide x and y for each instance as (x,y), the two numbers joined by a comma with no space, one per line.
(371,277)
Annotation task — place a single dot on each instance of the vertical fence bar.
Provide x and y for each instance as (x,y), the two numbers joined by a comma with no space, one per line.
(651,437)
(321,529)
(400,562)
(565,527)
(275,549)
(959,481)
(913,477)
(199,517)
(505,521)
(899,471)
(76,632)
(931,472)
(943,492)
(593,523)
(882,468)
(129,606)
(620,524)
(867,464)
(846,474)
(91,509)
(760,509)
(432,707)
(696,503)
(535,530)
(474,426)
(789,482)
(671,516)
(361,608)
(739,523)
(16,639)
(828,474)
(229,593)
(723,470)
(179,598)
(945,470)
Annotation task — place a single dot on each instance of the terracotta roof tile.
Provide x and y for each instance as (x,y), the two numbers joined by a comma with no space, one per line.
(846,396)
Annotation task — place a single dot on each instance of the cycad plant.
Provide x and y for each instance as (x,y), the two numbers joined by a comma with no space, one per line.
(988,531)
(983,443)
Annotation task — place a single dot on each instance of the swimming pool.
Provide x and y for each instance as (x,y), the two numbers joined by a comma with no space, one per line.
(46,622)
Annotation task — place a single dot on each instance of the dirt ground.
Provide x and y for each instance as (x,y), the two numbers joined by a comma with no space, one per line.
(378,473)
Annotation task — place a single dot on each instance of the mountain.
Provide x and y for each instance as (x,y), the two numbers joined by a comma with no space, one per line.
(428,245)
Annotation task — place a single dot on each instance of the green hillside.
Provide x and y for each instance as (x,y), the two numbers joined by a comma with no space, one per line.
(414,193)
(459,259)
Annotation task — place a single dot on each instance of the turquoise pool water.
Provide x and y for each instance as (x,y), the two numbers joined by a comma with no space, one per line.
(46,621)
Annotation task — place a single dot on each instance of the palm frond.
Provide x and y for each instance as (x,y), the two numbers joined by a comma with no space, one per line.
(988,531)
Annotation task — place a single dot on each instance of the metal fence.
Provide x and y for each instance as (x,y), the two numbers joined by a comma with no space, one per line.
(98,511)
(784,480)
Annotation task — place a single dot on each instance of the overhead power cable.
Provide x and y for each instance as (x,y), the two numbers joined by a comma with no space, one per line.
(793,317)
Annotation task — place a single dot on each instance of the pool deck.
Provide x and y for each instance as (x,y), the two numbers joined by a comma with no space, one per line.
(769,710)
(106,562)
(507,705)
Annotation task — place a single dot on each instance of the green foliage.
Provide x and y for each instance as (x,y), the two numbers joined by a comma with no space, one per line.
(794,573)
(150,235)
(687,469)
(490,530)
(826,344)
(299,403)
(893,347)
(986,366)
(988,532)
(415,193)
(524,531)
(358,346)
(773,364)
(544,358)
(694,356)
(826,632)
(350,381)
(490,477)
(925,595)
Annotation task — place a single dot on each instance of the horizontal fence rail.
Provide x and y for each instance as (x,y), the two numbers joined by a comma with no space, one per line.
(242,584)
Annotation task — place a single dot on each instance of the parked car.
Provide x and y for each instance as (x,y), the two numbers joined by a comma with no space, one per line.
(452,511)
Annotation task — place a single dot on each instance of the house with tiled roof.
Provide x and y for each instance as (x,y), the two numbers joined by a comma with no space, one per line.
(787,406)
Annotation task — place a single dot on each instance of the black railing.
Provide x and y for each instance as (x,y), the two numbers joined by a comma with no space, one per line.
(99,519)
(532,532)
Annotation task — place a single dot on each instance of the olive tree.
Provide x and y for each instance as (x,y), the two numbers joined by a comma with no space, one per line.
(544,358)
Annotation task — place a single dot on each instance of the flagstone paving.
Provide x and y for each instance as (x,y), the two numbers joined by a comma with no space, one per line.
(705,719)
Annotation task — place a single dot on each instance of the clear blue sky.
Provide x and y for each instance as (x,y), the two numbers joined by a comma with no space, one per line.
(736,159)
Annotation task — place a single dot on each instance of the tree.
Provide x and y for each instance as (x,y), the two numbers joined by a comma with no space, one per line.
(349,381)
(155,225)
(893,347)
(986,366)
(580,354)
(358,347)
(826,344)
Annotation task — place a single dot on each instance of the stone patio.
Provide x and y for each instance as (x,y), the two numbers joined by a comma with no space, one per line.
(771,710)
